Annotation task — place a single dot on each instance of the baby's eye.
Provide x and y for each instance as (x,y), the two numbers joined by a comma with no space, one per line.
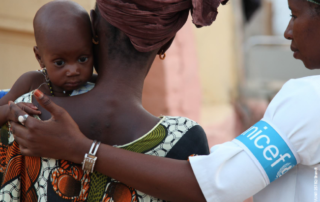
(83,59)
(59,63)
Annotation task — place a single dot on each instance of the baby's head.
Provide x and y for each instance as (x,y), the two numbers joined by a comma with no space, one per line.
(64,44)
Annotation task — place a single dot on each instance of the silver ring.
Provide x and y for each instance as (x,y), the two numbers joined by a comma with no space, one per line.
(22,118)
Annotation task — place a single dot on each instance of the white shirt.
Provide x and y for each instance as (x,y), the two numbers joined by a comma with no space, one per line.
(232,173)
(300,184)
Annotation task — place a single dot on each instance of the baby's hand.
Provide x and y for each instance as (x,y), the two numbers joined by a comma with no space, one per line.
(27,107)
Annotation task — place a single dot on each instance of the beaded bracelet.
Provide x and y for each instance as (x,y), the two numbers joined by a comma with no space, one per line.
(90,159)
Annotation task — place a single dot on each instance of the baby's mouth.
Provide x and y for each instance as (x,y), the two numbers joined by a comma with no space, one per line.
(73,84)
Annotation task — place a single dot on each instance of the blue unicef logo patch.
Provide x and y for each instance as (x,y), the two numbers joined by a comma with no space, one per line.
(269,148)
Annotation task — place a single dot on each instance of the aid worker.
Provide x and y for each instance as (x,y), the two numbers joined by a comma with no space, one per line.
(292,114)
(302,182)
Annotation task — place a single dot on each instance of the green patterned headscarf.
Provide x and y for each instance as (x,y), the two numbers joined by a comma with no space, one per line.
(315,1)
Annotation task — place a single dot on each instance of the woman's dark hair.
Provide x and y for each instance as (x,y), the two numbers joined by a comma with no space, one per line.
(224,2)
(120,44)
(316,8)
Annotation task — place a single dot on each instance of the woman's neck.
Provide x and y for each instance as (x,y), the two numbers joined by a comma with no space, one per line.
(121,79)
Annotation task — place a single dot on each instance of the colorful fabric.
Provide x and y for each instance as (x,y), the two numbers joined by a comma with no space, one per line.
(157,21)
(29,179)
(315,1)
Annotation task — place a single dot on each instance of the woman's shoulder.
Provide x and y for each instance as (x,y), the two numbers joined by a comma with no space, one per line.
(186,136)
(182,125)
(298,97)
(178,121)
(173,137)
(310,83)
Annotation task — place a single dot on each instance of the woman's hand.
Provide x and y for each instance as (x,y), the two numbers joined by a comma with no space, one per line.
(58,137)
(7,115)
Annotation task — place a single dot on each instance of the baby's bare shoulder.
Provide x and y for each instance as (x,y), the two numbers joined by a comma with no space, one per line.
(33,75)
(24,84)
(33,78)
(29,81)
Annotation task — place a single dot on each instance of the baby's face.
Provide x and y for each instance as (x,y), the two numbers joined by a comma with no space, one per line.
(68,57)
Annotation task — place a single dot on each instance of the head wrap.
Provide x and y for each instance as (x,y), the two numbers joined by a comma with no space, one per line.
(150,24)
(315,1)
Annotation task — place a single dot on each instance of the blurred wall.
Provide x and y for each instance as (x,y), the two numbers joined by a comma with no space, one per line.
(216,52)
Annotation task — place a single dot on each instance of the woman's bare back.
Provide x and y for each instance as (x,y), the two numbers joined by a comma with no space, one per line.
(109,120)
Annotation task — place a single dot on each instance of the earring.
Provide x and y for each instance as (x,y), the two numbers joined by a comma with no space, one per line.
(95,40)
(45,74)
(162,55)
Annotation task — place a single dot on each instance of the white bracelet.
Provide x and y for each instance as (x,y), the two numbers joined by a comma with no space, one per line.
(90,159)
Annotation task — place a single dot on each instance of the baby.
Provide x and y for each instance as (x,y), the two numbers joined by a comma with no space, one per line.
(64,51)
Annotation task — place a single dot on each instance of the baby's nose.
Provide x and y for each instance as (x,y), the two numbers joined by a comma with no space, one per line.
(73,70)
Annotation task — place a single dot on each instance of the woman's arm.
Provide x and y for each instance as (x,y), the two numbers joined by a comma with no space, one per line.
(6,114)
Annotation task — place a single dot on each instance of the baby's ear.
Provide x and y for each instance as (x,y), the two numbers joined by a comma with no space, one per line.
(38,56)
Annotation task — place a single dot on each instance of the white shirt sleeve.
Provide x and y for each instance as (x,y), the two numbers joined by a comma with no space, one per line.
(230,173)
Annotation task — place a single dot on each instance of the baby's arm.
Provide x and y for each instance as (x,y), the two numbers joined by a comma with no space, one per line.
(22,86)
